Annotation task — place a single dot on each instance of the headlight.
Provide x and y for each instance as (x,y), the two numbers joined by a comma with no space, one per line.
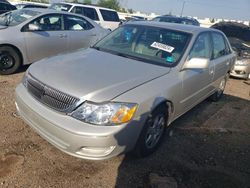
(105,114)
(242,62)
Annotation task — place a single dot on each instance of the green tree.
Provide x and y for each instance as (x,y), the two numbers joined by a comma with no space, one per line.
(130,10)
(89,2)
(113,4)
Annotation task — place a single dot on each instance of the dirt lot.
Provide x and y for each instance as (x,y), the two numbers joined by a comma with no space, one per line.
(207,147)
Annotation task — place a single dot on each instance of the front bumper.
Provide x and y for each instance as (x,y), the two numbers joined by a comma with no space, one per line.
(73,136)
(240,71)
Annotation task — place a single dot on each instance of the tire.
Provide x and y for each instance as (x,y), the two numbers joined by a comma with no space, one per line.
(219,93)
(248,77)
(10,60)
(154,128)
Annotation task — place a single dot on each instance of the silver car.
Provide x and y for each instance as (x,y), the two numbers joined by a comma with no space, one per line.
(121,94)
(242,66)
(28,35)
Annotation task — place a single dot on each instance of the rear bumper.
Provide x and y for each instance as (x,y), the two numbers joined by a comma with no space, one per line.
(73,136)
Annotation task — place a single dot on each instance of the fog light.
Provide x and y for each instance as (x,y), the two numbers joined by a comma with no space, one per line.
(96,151)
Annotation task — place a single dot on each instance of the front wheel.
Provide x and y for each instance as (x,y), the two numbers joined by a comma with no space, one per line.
(152,132)
(219,93)
(10,60)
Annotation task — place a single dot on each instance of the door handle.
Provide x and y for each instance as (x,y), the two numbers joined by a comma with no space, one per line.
(93,35)
(63,36)
(227,63)
(211,71)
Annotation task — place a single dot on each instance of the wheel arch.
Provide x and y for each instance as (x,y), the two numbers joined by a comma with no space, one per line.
(16,49)
(168,103)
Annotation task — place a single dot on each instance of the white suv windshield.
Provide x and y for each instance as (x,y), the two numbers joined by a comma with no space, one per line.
(149,44)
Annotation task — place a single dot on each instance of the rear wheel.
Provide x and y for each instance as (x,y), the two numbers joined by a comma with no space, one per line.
(219,93)
(152,133)
(10,60)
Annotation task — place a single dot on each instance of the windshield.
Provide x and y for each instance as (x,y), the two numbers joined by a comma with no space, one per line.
(61,7)
(145,43)
(16,17)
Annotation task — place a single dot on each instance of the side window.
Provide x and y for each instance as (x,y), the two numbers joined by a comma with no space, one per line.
(90,13)
(201,47)
(77,10)
(3,6)
(219,45)
(49,23)
(109,15)
(75,23)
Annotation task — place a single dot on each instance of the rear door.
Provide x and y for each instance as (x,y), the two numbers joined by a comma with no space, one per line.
(80,32)
(48,40)
(197,83)
(221,57)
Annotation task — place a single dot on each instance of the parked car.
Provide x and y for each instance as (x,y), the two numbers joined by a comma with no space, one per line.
(176,19)
(29,5)
(242,65)
(28,35)
(239,38)
(6,7)
(107,18)
(121,94)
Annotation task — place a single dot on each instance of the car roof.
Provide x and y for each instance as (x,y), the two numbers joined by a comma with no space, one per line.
(51,11)
(48,11)
(179,27)
(85,5)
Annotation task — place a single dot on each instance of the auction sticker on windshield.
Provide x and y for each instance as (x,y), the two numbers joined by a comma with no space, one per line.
(163,47)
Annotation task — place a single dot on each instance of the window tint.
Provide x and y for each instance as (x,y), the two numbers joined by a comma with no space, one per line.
(201,47)
(77,23)
(109,15)
(219,45)
(86,11)
(49,23)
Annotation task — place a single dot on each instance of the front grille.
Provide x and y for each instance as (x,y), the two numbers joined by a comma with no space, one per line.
(51,97)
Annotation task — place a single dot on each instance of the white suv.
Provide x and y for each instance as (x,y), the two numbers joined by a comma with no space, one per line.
(107,18)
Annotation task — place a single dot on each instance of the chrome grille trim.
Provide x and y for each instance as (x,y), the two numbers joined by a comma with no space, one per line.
(51,97)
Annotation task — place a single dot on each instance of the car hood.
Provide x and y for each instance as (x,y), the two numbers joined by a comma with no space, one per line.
(94,75)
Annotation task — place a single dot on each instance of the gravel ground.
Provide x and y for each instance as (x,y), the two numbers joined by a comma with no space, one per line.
(207,147)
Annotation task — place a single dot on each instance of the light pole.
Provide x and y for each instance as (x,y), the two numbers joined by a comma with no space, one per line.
(183,5)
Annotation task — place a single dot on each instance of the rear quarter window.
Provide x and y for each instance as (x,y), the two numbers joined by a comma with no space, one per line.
(109,15)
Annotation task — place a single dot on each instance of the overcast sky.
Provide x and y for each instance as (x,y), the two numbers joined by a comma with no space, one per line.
(232,9)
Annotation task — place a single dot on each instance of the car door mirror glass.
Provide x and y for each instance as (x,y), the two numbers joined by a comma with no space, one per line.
(196,63)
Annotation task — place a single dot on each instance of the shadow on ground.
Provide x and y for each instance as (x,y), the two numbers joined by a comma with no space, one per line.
(209,147)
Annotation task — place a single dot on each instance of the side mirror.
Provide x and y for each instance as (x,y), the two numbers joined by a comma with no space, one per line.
(196,63)
(33,27)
